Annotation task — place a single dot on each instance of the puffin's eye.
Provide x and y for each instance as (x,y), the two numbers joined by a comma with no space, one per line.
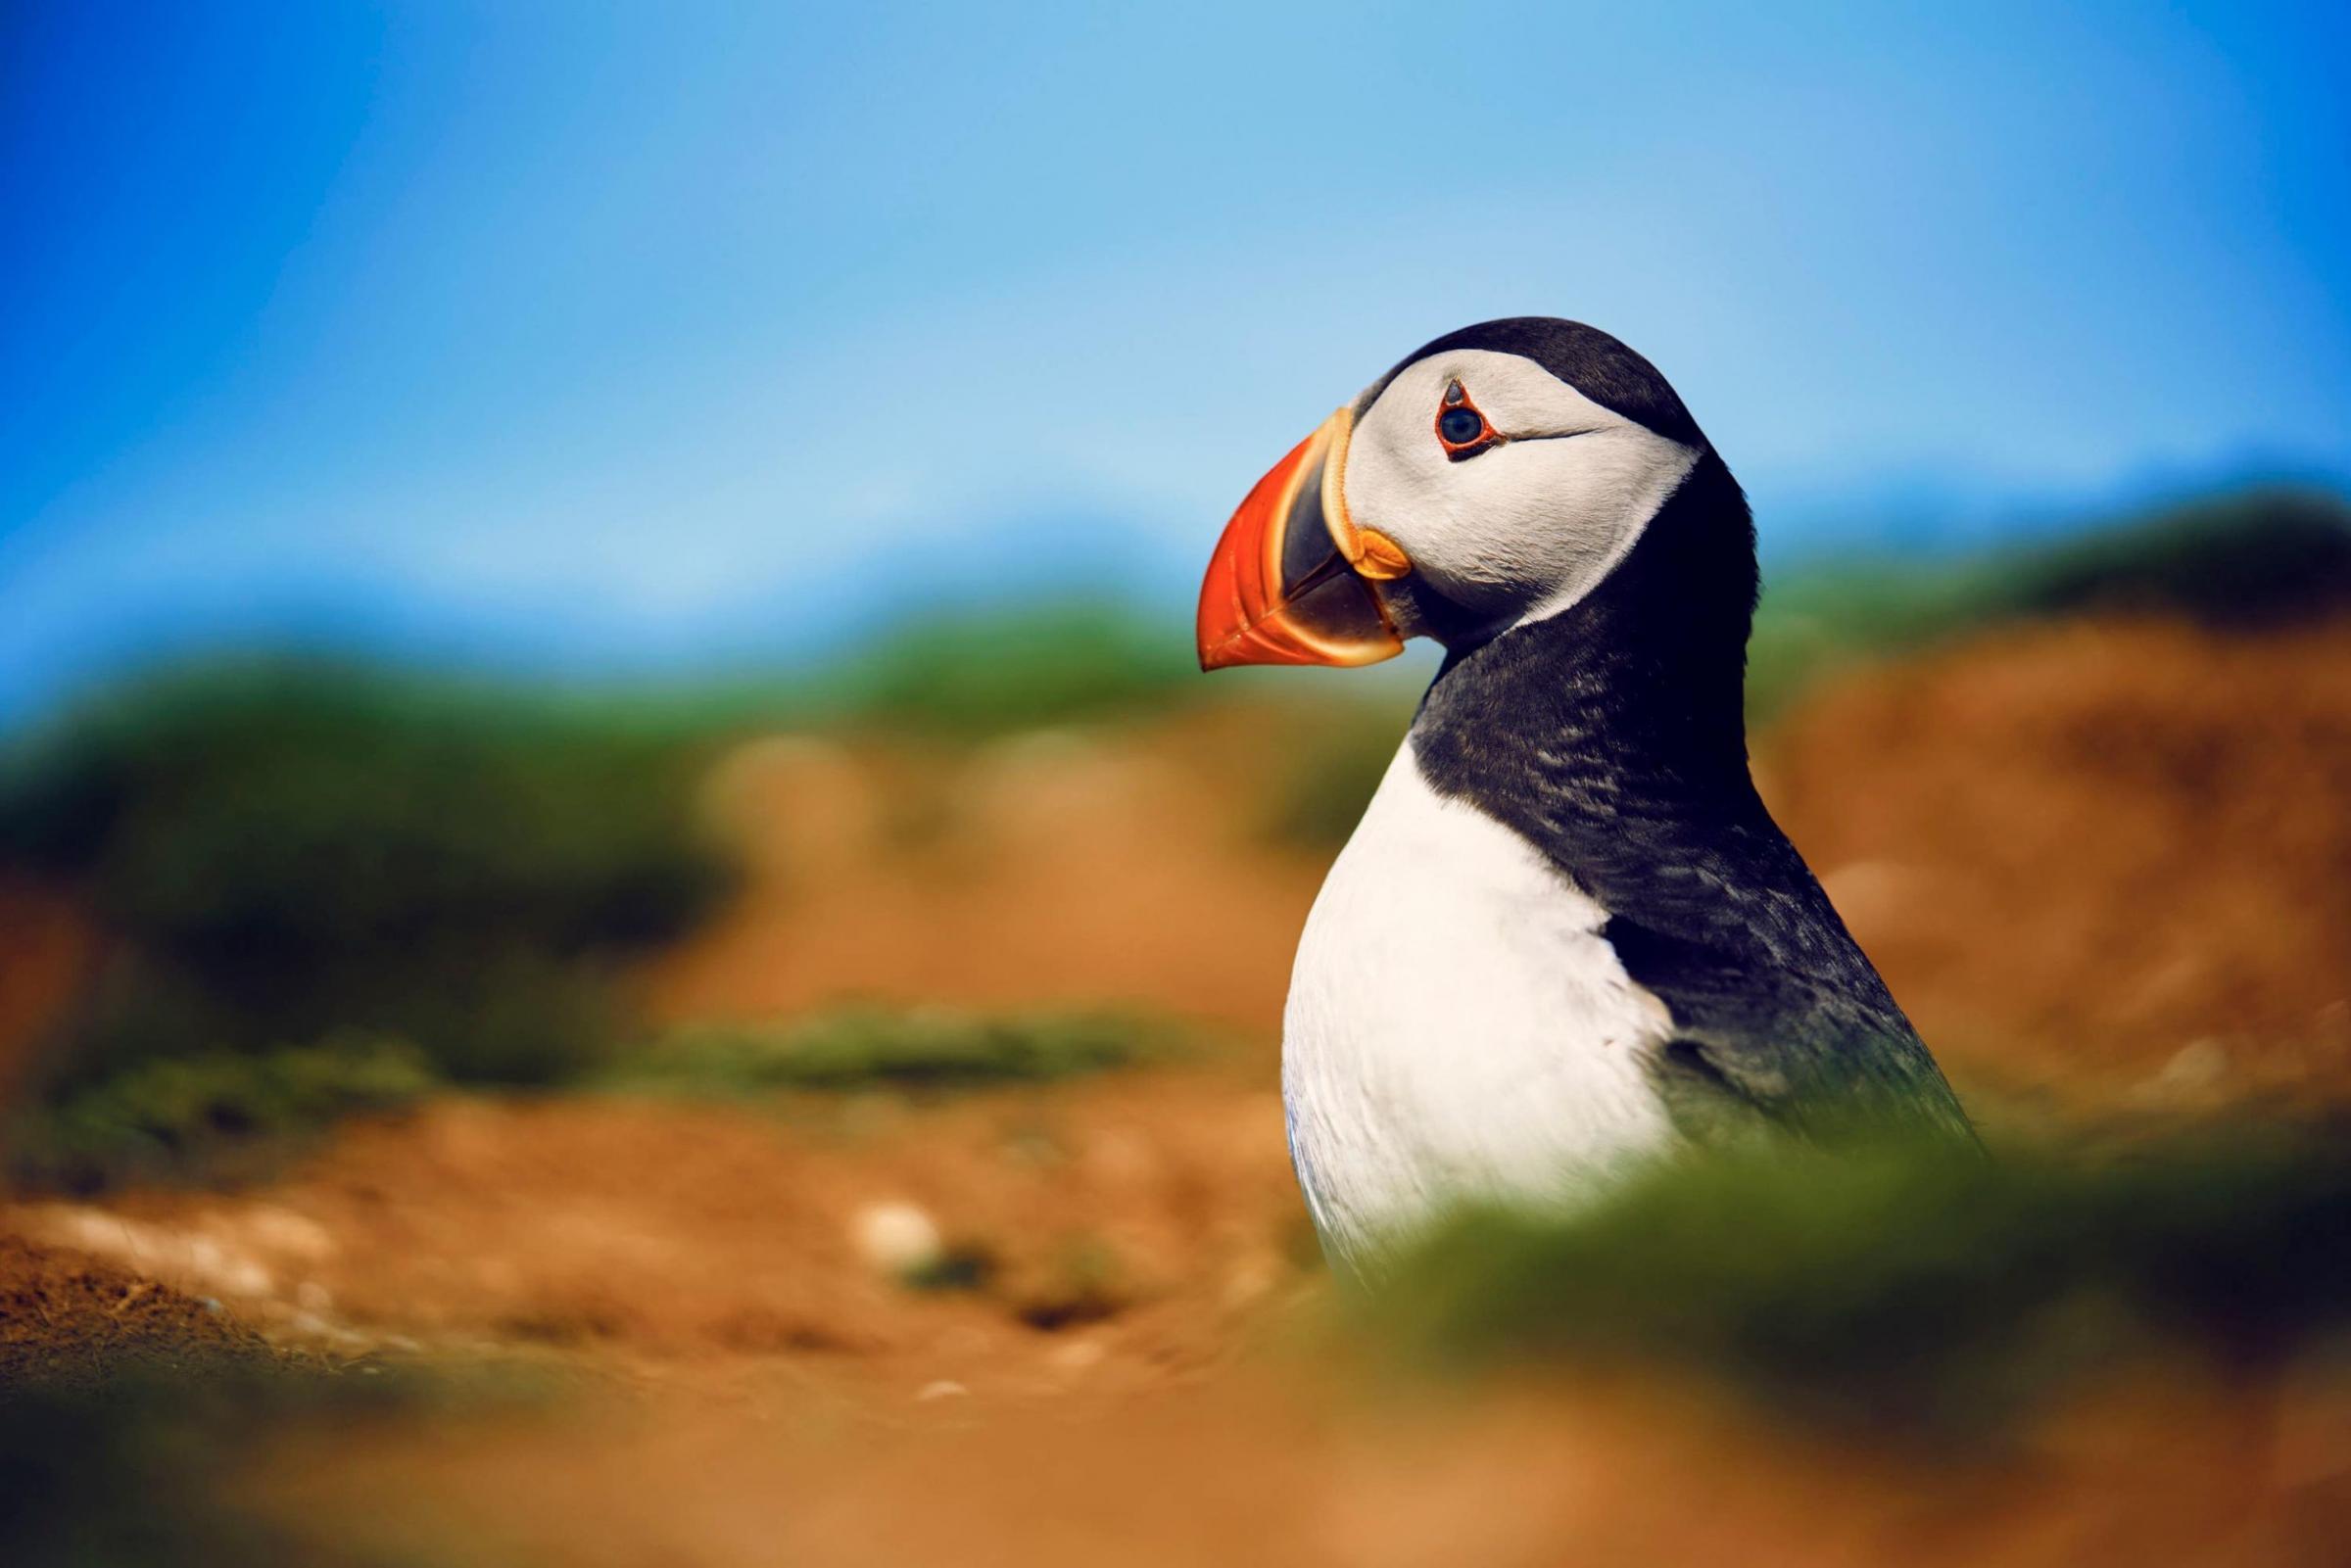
(1461,429)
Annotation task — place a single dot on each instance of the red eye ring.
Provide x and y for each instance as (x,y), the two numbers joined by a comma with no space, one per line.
(1473,439)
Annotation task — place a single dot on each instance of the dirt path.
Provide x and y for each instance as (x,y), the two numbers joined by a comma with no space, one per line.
(1101,1231)
(741,1380)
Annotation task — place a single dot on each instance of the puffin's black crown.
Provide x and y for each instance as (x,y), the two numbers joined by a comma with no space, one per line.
(1587,358)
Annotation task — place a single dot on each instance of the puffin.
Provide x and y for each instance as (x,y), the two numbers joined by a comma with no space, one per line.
(1567,938)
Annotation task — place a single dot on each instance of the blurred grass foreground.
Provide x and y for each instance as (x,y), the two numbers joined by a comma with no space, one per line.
(1898,1286)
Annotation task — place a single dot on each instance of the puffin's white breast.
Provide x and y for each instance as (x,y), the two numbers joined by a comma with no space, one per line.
(1457,1026)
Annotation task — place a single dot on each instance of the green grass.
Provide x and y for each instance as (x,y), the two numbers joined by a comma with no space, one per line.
(1894,1286)
(1817,619)
(1018,668)
(959,677)
(283,852)
(931,1048)
(2265,558)
(2259,558)
(174,1118)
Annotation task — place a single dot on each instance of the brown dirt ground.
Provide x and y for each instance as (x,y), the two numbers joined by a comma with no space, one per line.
(1130,1226)
(46,952)
(2080,851)
(71,1315)
(742,1387)
(2103,858)
(1269,1465)
(1049,868)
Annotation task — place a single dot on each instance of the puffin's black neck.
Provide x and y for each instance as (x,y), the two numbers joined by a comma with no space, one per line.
(1635,690)
(1611,737)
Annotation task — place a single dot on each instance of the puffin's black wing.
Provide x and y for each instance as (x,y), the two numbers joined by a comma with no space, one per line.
(1780,1021)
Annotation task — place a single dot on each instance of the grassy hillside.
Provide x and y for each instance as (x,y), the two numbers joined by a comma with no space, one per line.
(323,887)
(320,887)
(2270,557)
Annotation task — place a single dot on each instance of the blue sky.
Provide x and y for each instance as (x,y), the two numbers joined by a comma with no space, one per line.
(619,337)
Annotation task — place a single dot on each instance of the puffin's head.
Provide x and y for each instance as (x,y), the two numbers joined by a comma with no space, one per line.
(1494,477)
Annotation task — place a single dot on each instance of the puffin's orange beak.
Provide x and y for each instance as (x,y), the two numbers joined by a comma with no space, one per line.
(1292,580)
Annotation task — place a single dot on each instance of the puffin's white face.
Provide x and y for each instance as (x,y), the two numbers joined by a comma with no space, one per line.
(1511,497)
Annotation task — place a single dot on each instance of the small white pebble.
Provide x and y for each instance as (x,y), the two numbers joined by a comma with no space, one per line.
(897,1238)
